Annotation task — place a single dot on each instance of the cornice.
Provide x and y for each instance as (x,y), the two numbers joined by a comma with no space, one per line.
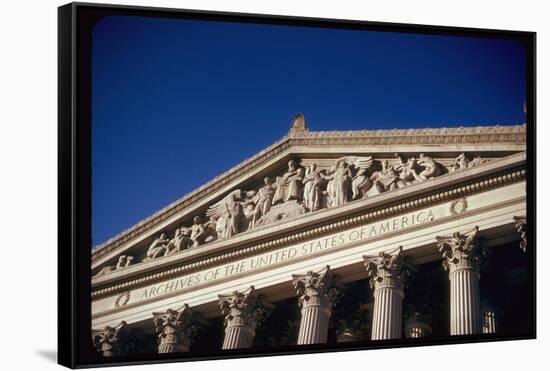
(403,205)
(459,135)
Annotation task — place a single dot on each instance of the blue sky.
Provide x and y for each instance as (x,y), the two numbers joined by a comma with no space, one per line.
(177,102)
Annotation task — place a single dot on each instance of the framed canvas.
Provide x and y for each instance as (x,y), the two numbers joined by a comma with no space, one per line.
(235,185)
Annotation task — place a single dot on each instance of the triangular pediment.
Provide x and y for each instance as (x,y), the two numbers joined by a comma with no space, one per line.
(305,172)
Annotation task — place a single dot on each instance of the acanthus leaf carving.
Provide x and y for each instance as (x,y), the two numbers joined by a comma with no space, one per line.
(177,329)
(317,288)
(388,269)
(244,308)
(463,251)
(113,341)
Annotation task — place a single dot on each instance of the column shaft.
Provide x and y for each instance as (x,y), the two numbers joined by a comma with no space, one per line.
(387,320)
(172,348)
(465,306)
(464,257)
(314,325)
(238,337)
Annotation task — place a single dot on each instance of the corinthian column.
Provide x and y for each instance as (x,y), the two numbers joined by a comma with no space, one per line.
(113,341)
(388,272)
(318,292)
(243,311)
(464,258)
(176,329)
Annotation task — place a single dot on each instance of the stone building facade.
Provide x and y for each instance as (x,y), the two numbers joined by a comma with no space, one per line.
(328,237)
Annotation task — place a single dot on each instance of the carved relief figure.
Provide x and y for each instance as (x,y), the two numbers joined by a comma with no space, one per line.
(387,179)
(198,232)
(341,184)
(361,182)
(476,161)
(228,215)
(407,170)
(124,261)
(263,200)
(313,188)
(431,167)
(289,186)
(461,162)
(159,247)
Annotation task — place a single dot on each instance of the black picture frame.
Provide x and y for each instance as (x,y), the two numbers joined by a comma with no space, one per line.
(75,22)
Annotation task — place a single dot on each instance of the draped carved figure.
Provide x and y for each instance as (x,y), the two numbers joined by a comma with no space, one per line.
(313,188)
(228,214)
(289,186)
(339,192)
(263,200)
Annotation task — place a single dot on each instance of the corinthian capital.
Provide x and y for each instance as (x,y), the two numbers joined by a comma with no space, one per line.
(317,288)
(388,269)
(244,308)
(462,251)
(521,227)
(176,329)
(113,341)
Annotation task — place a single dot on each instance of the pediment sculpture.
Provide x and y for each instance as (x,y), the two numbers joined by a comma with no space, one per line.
(297,191)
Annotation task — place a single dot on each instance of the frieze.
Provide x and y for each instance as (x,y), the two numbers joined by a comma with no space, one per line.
(287,254)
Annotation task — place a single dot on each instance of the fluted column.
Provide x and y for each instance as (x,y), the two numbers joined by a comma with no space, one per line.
(243,312)
(463,257)
(318,292)
(113,341)
(176,329)
(388,272)
(521,227)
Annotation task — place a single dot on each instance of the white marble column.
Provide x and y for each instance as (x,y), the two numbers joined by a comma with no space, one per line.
(388,272)
(176,329)
(318,292)
(243,312)
(464,258)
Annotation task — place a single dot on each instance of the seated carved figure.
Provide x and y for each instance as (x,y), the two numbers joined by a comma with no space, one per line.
(159,247)
(461,162)
(289,186)
(431,168)
(387,179)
